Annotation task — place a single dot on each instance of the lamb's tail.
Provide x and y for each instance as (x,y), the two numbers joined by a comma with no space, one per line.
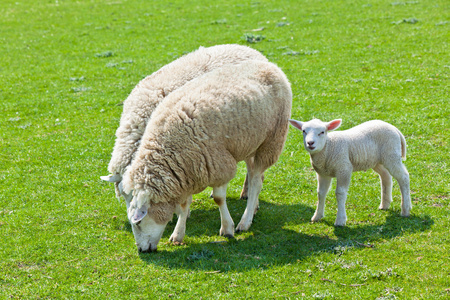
(403,141)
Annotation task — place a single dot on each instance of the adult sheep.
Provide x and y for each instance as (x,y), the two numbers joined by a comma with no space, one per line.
(373,145)
(146,96)
(195,138)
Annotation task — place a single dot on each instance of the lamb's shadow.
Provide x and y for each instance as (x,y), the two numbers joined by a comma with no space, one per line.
(271,240)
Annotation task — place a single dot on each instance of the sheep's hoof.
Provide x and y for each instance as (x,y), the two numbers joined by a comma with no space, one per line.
(228,236)
(176,240)
(242,227)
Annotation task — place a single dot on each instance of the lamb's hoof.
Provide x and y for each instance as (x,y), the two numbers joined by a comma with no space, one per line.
(316,219)
(383,207)
(405,215)
(339,224)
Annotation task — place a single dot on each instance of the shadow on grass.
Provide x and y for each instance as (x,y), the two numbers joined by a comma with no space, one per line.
(270,242)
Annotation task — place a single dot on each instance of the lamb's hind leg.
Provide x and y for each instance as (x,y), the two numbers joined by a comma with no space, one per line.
(400,173)
(254,188)
(227,224)
(182,212)
(386,186)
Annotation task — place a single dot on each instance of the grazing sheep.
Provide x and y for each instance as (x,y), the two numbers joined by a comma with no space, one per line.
(373,145)
(196,137)
(146,96)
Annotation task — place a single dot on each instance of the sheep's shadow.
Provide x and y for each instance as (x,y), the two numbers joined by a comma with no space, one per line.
(271,240)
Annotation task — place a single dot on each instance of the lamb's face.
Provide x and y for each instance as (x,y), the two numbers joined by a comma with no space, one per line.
(315,133)
(314,136)
(148,222)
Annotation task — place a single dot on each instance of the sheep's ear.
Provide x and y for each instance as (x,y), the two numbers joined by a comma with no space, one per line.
(138,214)
(112,178)
(334,124)
(296,124)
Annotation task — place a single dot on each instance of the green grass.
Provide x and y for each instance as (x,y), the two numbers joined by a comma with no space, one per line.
(67,65)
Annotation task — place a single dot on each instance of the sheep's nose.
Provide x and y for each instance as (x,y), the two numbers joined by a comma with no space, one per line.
(149,250)
(310,143)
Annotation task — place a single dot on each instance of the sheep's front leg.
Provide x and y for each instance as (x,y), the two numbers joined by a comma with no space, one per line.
(227,224)
(323,185)
(254,188)
(182,212)
(342,184)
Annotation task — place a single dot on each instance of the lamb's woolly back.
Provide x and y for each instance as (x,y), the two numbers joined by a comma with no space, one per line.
(147,95)
(200,131)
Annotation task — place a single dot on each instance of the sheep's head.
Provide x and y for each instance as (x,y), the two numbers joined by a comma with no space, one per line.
(315,133)
(148,220)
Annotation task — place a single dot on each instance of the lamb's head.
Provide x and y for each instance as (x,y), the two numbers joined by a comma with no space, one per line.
(117,180)
(148,220)
(315,133)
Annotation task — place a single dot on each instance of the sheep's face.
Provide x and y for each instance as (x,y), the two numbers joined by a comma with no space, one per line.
(148,221)
(315,133)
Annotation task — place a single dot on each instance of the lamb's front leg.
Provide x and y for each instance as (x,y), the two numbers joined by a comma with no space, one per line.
(342,184)
(323,185)
(182,212)
(227,224)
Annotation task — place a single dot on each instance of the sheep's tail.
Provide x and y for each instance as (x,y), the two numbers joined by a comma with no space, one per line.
(403,142)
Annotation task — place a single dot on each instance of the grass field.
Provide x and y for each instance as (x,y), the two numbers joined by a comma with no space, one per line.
(65,68)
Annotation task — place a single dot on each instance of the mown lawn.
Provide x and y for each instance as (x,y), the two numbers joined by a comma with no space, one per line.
(65,68)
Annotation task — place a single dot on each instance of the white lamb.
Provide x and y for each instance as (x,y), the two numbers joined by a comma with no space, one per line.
(146,96)
(195,138)
(373,145)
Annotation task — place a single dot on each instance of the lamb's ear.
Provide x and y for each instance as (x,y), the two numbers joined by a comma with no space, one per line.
(333,124)
(296,124)
(112,178)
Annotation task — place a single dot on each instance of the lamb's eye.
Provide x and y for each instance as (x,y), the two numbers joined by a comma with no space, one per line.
(322,133)
(304,131)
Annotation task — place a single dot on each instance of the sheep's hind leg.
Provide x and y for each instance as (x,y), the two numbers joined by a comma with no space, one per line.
(386,186)
(323,185)
(244,192)
(182,212)
(227,224)
(400,173)
(254,188)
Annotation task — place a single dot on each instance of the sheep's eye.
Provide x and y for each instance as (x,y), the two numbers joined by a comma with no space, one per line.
(304,131)
(322,133)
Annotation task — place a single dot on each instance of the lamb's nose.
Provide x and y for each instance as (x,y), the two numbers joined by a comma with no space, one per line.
(310,143)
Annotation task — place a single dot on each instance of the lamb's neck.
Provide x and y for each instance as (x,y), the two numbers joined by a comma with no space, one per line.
(318,159)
